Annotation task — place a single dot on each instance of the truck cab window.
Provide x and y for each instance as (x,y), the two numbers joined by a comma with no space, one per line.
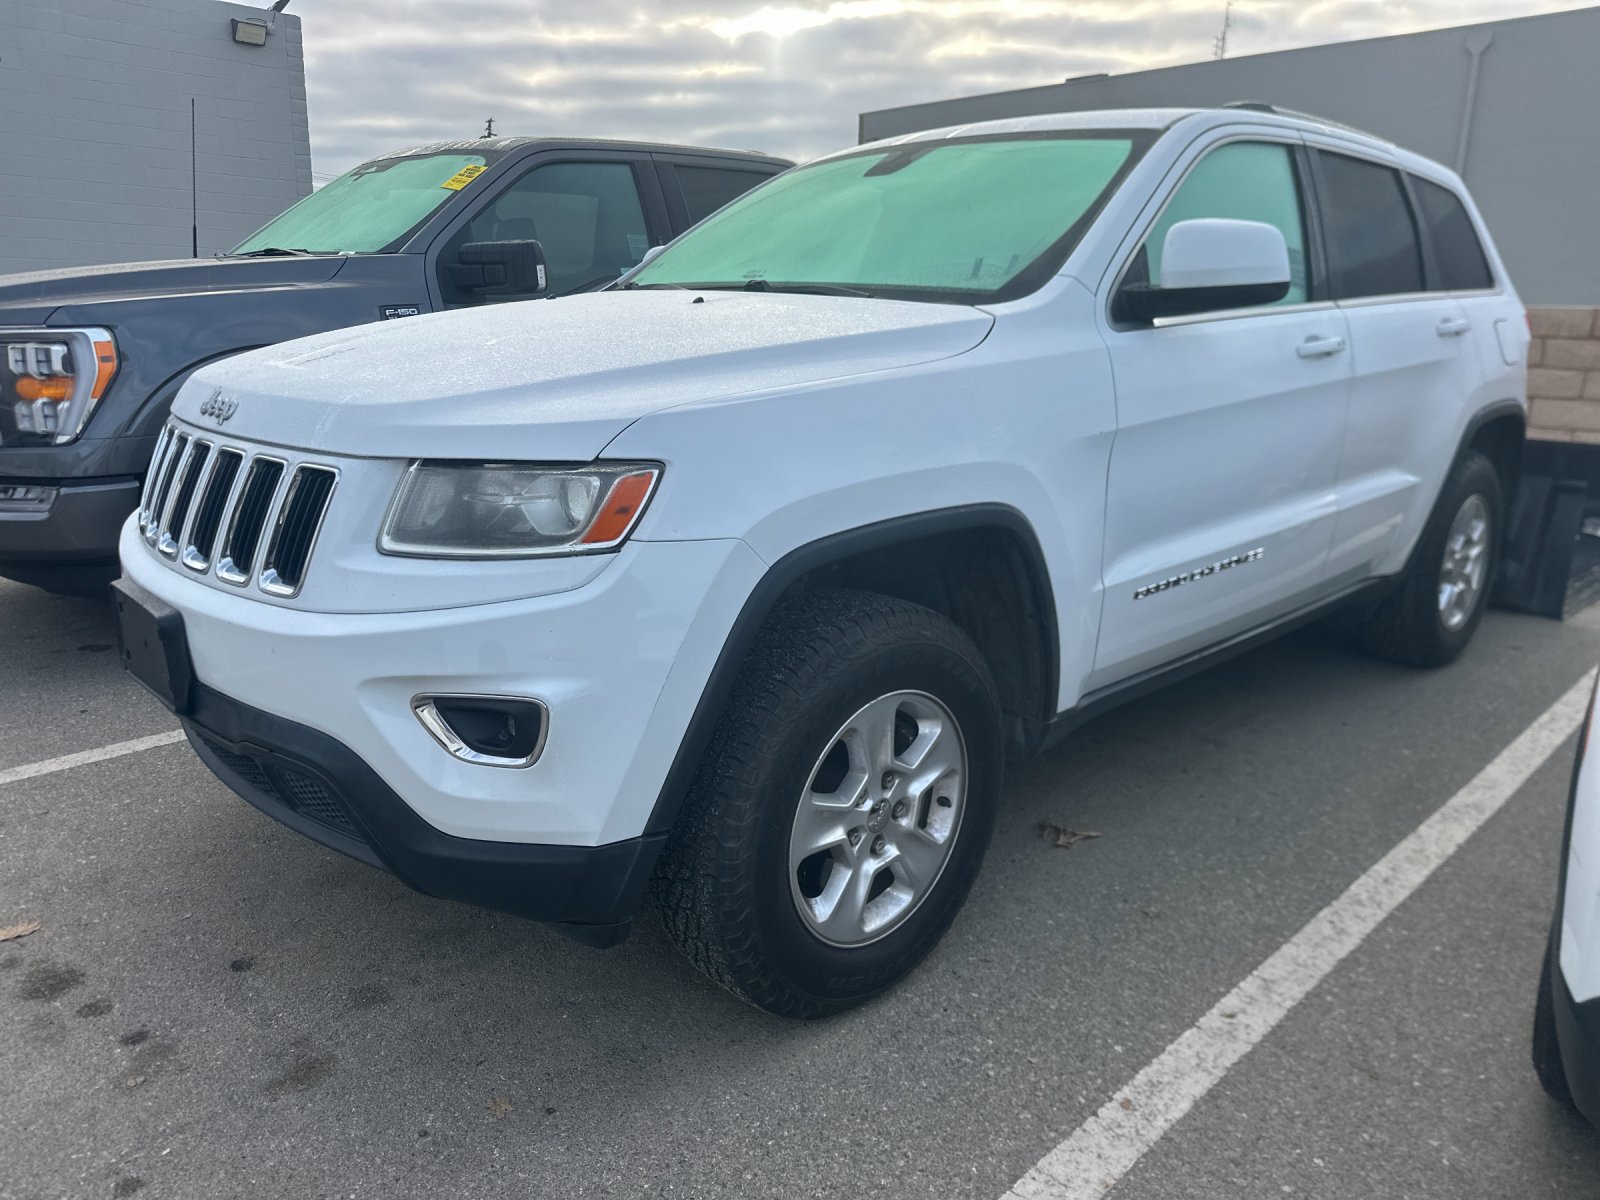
(587,216)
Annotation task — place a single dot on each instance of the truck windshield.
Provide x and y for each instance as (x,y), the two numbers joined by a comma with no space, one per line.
(370,209)
(958,220)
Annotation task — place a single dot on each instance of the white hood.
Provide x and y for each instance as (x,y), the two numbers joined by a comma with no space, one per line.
(557,380)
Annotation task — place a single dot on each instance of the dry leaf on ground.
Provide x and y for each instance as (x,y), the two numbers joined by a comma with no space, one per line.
(11,933)
(1065,838)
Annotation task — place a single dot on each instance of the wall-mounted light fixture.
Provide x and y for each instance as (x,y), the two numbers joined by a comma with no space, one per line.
(249,32)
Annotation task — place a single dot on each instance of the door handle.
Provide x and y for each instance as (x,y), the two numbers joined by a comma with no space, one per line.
(1319,347)
(1453,326)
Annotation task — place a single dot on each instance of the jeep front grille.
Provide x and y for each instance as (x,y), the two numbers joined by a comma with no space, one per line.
(226,510)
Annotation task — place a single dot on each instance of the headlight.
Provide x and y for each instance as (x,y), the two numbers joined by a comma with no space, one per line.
(515,510)
(50,381)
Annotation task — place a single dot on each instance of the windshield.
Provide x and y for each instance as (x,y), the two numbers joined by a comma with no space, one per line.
(370,209)
(957,220)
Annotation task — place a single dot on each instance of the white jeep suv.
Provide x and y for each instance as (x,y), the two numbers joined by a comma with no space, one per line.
(740,581)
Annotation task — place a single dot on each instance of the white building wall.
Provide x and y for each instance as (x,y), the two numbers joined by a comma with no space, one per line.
(95,161)
(1523,135)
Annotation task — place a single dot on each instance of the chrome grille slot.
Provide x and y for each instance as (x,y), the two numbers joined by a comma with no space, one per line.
(187,482)
(305,502)
(158,463)
(214,498)
(163,485)
(249,521)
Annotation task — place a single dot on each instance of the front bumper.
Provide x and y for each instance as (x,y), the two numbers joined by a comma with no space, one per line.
(619,664)
(98,481)
(317,786)
(80,526)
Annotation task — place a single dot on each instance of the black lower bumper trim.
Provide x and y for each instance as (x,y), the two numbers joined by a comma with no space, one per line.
(319,787)
(1578,1032)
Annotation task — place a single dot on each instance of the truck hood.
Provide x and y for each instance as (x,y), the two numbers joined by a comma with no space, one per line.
(557,380)
(29,299)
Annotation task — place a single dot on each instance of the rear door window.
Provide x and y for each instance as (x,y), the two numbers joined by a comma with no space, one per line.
(706,189)
(1373,248)
(1458,255)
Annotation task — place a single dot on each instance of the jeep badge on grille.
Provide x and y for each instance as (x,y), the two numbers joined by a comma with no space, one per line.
(218,407)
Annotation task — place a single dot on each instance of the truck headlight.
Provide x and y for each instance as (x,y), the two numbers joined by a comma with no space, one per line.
(50,381)
(515,510)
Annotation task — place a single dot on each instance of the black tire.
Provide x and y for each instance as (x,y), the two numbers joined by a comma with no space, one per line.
(1407,626)
(723,884)
(1547,1062)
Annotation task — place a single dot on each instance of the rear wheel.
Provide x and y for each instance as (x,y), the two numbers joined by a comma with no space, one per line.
(843,808)
(1431,616)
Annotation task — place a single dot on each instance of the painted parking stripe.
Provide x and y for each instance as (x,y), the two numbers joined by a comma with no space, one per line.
(1090,1162)
(66,762)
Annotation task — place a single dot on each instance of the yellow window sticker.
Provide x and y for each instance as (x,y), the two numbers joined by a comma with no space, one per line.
(463,177)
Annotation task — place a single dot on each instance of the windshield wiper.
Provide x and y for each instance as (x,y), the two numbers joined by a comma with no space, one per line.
(806,289)
(644,287)
(273,252)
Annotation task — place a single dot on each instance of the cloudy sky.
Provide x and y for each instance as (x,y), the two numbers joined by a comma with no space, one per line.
(785,76)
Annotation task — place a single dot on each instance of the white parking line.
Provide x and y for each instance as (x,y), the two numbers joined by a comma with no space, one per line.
(66,762)
(1090,1162)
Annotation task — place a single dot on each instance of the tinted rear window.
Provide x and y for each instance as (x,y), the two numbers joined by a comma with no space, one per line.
(1457,253)
(1372,240)
(706,189)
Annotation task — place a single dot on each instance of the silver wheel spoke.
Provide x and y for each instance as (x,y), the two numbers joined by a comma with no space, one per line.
(846,921)
(822,830)
(872,731)
(1464,568)
(917,859)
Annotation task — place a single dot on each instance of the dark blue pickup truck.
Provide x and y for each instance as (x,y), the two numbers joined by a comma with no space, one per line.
(90,358)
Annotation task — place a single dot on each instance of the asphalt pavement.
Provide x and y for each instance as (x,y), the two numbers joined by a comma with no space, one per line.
(215,1007)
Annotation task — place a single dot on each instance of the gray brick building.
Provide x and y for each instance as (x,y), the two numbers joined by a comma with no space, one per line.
(95,133)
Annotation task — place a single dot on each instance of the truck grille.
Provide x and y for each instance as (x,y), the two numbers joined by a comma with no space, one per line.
(243,516)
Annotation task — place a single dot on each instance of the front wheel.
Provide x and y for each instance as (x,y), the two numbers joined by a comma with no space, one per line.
(843,809)
(1433,613)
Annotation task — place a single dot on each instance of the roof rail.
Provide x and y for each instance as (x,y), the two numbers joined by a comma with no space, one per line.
(1262,106)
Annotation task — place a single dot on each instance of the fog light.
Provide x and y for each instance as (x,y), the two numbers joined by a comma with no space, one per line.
(490,731)
(16,497)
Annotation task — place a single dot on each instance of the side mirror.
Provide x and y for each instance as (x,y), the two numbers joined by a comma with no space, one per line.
(1212,264)
(500,268)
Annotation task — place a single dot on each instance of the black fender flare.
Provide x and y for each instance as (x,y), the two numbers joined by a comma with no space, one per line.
(1489,412)
(802,560)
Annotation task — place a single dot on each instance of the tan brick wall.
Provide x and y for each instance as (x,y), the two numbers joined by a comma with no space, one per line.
(1564,375)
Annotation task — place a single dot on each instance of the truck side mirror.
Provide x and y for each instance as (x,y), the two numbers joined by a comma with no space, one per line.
(501,268)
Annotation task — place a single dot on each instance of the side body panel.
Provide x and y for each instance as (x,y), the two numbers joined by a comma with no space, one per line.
(1221,494)
(1025,420)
